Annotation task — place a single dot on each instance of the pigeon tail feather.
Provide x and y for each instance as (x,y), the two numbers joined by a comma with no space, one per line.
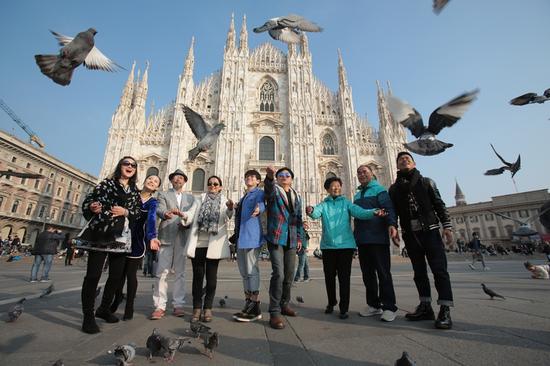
(51,67)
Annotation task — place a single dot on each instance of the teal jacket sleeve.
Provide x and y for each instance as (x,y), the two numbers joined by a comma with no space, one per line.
(359,212)
(317,211)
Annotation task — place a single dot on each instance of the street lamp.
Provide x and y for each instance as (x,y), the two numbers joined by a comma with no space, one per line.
(46,218)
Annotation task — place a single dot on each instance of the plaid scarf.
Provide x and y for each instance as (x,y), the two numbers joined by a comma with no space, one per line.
(209,213)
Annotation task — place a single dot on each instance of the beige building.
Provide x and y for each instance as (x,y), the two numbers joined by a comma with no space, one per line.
(26,205)
(476,217)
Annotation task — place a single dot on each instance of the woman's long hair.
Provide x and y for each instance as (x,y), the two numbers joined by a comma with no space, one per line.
(117,174)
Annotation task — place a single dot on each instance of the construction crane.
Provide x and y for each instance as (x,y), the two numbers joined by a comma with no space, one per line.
(33,137)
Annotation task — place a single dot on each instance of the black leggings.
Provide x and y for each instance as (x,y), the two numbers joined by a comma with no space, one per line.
(93,274)
(202,265)
(130,277)
(337,262)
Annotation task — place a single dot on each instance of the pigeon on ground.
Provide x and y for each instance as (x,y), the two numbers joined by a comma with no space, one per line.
(288,29)
(529,98)
(73,53)
(205,134)
(153,343)
(16,311)
(198,328)
(10,173)
(445,116)
(170,345)
(47,291)
(405,360)
(223,302)
(490,292)
(300,299)
(211,341)
(59,363)
(512,167)
(439,5)
(125,354)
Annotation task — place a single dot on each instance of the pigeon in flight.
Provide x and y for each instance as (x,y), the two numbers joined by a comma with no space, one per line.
(211,341)
(531,98)
(405,360)
(513,168)
(490,292)
(544,216)
(48,290)
(73,53)
(205,134)
(17,310)
(125,354)
(288,29)
(445,116)
(439,5)
(544,213)
(10,173)
(153,343)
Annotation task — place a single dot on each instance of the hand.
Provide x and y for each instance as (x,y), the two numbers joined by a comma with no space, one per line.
(299,246)
(309,210)
(168,215)
(230,204)
(95,207)
(155,244)
(448,235)
(256,211)
(380,212)
(394,235)
(270,172)
(118,211)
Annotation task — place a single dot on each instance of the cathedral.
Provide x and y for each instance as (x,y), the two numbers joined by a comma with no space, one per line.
(275,111)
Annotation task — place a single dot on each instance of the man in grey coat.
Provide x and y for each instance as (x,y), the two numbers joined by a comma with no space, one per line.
(176,211)
(44,250)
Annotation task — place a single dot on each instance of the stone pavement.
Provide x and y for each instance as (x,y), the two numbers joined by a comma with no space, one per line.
(515,331)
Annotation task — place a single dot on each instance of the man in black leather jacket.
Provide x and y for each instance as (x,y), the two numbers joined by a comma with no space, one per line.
(421,211)
(44,251)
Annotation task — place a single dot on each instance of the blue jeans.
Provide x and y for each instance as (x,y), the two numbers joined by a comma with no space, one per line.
(283,262)
(247,260)
(303,265)
(38,259)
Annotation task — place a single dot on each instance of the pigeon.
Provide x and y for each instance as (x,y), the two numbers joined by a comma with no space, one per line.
(288,29)
(47,291)
(211,341)
(405,360)
(17,310)
(10,173)
(438,5)
(444,116)
(205,134)
(300,299)
(97,292)
(170,345)
(223,302)
(153,343)
(73,53)
(529,98)
(512,167)
(544,216)
(197,328)
(59,363)
(490,292)
(125,354)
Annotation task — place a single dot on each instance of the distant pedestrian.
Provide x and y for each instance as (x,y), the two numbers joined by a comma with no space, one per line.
(475,245)
(44,251)
(303,263)
(69,249)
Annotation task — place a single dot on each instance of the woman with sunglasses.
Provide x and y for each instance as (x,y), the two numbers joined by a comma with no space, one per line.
(111,208)
(207,244)
(144,237)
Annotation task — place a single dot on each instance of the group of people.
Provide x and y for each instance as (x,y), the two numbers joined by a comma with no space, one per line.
(122,227)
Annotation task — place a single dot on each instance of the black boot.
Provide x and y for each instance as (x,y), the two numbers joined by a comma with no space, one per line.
(128,312)
(444,318)
(116,302)
(106,315)
(423,311)
(89,325)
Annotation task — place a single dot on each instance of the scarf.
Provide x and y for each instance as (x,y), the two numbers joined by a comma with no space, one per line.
(209,213)
(406,180)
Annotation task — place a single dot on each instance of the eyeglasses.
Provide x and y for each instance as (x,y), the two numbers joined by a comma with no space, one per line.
(213,184)
(129,163)
(284,175)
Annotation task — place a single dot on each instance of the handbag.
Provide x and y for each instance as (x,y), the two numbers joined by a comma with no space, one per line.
(122,242)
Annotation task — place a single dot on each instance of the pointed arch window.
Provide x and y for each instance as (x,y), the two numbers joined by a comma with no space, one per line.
(267,148)
(328,145)
(267,97)
(198,180)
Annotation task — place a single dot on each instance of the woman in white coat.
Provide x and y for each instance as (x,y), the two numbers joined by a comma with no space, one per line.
(207,244)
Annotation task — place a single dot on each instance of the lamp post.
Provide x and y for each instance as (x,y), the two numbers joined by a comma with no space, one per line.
(46,218)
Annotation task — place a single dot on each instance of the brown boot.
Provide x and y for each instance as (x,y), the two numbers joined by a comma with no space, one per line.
(196,315)
(288,311)
(276,322)
(207,315)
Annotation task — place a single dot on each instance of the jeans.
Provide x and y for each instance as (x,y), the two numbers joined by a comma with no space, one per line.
(247,260)
(283,262)
(478,254)
(422,245)
(375,267)
(337,262)
(38,259)
(202,266)
(150,259)
(303,265)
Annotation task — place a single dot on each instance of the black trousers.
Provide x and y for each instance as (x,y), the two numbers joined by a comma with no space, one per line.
(337,262)
(69,256)
(130,277)
(422,245)
(93,274)
(376,269)
(202,266)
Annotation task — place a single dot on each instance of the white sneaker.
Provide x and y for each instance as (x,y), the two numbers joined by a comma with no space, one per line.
(370,311)
(388,316)
(486,268)
(472,266)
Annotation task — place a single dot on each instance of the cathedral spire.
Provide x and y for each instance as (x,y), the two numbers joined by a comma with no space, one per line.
(342,77)
(127,93)
(243,39)
(230,42)
(190,59)
(389,87)
(304,45)
(141,92)
(460,198)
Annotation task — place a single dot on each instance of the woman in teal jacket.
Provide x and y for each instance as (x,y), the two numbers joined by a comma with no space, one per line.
(337,241)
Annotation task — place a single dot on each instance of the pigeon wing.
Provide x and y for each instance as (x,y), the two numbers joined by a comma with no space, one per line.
(296,21)
(96,60)
(495,171)
(405,114)
(195,122)
(449,113)
(507,217)
(523,99)
(516,166)
(62,39)
(500,157)
(427,147)
(285,35)
(439,5)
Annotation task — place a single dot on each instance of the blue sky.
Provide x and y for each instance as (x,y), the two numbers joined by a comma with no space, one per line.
(499,46)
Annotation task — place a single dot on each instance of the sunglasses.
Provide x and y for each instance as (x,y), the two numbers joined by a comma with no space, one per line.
(129,163)
(284,175)
(213,184)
